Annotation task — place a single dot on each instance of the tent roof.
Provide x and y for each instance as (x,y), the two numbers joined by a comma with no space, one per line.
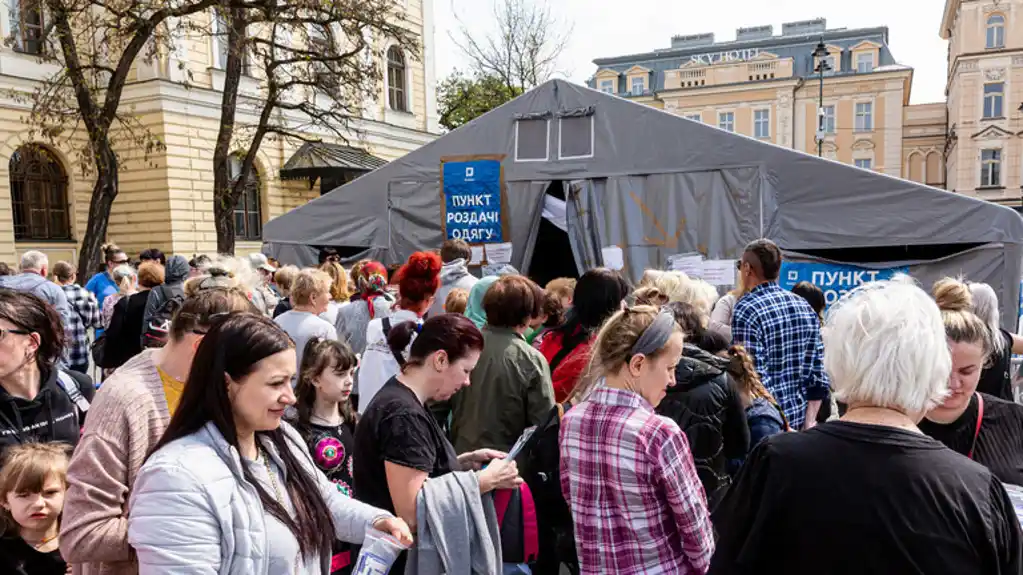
(817,203)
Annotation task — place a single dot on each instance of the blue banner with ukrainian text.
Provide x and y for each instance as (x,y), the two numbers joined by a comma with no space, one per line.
(472,201)
(835,280)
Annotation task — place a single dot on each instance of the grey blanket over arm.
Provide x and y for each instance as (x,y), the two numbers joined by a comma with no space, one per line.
(458,532)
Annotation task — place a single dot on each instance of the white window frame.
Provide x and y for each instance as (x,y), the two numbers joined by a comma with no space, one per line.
(861,64)
(547,145)
(997,100)
(632,86)
(987,168)
(697,117)
(867,126)
(864,163)
(757,121)
(834,125)
(593,127)
(408,83)
(607,86)
(994,32)
(731,121)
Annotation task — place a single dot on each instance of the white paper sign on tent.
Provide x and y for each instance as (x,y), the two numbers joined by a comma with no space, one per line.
(613,257)
(477,255)
(719,272)
(691,265)
(499,253)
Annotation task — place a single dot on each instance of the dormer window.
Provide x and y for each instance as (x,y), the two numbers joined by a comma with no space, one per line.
(638,86)
(865,62)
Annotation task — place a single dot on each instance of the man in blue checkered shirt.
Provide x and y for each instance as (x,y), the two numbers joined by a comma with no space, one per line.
(782,333)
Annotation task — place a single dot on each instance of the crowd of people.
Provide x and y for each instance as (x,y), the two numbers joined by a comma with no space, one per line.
(245,416)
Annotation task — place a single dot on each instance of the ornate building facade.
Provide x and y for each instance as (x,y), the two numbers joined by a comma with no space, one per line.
(167,201)
(773,87)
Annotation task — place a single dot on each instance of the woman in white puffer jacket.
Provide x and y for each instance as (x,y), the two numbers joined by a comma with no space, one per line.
(230,489)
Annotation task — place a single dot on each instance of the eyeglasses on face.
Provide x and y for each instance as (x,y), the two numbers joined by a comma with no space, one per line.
(5,331)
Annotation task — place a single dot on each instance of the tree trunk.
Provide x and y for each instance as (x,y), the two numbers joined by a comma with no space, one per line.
(103,194)
(224,196)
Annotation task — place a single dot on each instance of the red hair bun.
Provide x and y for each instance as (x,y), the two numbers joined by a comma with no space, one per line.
(419,278)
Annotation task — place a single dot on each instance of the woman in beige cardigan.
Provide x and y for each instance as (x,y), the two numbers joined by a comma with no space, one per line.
(129,415)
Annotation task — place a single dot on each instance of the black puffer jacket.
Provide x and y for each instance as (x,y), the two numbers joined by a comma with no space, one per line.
(706,405)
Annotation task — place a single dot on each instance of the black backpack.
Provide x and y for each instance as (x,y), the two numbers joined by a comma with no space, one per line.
(155,333)
(540,467)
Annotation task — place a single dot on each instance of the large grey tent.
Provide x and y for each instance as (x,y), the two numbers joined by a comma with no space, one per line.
(655,184)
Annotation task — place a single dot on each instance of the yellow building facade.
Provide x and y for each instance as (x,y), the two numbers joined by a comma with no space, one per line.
(166,201)
(985,98)
(769,86)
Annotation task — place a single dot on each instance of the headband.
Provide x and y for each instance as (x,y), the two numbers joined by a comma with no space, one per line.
(656,335)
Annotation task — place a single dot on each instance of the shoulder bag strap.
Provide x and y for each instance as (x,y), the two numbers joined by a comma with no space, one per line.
(980,419)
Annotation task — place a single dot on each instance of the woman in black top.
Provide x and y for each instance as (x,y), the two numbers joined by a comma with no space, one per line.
(124,336)
(996,378)
(870,493)
(707,406)
(398,443)
(979,426)
(39,401)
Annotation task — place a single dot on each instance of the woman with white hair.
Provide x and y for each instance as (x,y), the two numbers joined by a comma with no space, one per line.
(996,378)
(980,426)
(870,493)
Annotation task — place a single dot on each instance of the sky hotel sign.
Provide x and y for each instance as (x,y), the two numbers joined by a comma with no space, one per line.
(728,56)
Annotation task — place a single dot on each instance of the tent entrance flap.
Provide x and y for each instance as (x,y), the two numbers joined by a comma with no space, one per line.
(552,256)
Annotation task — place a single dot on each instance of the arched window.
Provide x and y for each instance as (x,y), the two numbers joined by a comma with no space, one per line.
(248,212)
(39,195)
(996,31)
(397,92)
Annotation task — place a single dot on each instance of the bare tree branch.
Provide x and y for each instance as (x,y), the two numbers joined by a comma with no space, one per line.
(522,50)
(317,63)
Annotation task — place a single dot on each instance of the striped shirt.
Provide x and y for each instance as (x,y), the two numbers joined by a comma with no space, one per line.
(783,334)
(637,504)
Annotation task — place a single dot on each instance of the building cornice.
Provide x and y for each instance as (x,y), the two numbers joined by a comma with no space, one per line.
(773,41)
(948,18)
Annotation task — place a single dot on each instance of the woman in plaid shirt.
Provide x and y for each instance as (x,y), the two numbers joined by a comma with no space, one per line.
(627,474)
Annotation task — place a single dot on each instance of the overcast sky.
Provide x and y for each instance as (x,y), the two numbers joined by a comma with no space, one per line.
(602,28)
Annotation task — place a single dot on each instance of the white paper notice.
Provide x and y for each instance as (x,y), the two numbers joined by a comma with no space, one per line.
(719,272)
(689,265)
(477,255)
(613,257)
(499,253)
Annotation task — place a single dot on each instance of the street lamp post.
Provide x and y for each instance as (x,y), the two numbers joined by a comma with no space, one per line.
(821,54)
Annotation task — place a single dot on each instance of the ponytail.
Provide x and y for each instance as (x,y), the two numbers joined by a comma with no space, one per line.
(411,342)
(743,371)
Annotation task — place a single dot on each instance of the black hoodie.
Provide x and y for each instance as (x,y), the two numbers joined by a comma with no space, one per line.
(50,416)
(707,406)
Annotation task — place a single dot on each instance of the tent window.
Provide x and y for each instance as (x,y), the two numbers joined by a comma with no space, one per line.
(531,138)
(576,135)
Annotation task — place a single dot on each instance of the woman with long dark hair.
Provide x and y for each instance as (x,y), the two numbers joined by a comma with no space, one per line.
(236,487)
(598,295)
